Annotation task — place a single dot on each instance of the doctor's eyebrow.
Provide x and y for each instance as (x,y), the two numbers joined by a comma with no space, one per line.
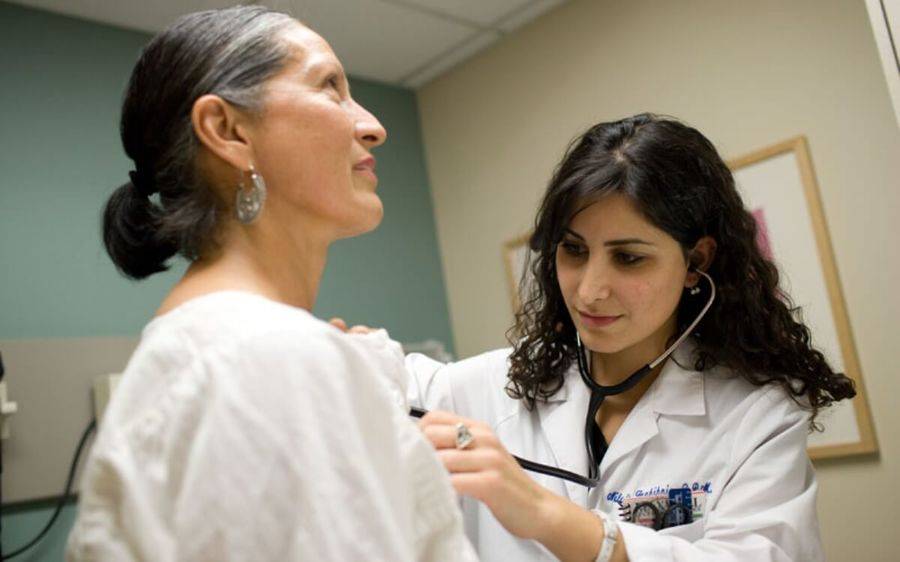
(617,242)
(626,241)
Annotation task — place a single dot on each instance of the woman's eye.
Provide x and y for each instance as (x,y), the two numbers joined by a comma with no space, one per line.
(333,82)
(625,258)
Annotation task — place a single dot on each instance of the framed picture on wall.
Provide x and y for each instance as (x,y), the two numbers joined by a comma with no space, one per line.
(778,186)
(515,258)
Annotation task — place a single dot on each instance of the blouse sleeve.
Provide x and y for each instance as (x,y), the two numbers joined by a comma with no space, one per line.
(767,510)
(427,388)
(472,387)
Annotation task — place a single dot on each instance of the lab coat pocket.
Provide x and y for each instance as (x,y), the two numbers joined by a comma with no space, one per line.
(690,532)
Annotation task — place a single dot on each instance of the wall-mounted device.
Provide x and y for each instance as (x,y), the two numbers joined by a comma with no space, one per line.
(7,408)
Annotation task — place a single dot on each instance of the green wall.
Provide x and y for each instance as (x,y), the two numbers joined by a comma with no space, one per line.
(61,82)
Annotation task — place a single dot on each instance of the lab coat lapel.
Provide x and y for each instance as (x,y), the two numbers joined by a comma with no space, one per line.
(676,391)
(562,421)
(639,427)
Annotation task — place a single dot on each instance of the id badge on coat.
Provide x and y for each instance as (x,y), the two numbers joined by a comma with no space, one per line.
(663,507)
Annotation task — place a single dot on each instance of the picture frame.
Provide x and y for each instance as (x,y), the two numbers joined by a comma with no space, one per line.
(779,187)
(515,256)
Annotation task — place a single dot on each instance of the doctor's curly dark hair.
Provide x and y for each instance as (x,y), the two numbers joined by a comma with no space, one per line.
(679,182)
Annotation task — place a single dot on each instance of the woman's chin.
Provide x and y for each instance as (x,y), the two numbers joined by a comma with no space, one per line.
(367,219)
(375,213)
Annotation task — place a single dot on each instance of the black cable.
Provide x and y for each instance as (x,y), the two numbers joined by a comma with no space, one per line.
(2,372)
(1,477)
(534,466)
(66,494)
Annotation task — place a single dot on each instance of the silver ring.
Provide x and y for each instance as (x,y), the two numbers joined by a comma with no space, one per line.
(464,437)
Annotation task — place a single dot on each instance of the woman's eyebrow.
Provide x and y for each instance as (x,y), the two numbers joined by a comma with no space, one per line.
(321,65)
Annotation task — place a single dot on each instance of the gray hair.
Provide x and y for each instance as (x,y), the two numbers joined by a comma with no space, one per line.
(230,53)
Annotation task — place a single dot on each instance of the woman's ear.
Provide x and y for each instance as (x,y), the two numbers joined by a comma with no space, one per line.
(222,131)
(699,259)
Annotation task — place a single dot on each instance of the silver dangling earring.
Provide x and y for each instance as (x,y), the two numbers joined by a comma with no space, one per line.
(249,203)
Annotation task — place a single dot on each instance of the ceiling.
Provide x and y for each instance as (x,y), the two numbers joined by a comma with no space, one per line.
(402,42)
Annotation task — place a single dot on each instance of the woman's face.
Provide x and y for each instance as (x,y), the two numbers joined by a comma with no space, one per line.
(620,276)
(313,143)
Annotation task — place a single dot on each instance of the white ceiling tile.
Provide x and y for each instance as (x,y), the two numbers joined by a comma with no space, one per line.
(483,12)
(151,16)
(532,12)
(375,39)
(393,41)
(477,43)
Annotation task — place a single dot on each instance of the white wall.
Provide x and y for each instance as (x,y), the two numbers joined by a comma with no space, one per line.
(747,74)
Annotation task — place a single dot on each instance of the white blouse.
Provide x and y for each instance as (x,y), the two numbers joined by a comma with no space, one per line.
(244,429)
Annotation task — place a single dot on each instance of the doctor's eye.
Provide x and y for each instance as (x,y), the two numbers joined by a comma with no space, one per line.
(572,248)
(626,258)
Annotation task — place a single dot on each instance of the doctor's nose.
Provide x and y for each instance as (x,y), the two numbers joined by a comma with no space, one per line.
(594,285)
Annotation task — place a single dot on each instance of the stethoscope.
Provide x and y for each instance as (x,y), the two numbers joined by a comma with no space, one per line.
(595,442)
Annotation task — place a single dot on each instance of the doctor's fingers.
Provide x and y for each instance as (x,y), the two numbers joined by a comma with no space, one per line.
(477,460)
(341,325)
(443,417)
(338,323)
(443,436)
(478,485)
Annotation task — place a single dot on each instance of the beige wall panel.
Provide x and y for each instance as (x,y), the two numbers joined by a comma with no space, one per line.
(51,381)
(747,74)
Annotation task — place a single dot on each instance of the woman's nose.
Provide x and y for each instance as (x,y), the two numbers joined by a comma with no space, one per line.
(369,131)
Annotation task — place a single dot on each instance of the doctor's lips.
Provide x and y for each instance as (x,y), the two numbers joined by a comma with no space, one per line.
(593,321)
(366,166)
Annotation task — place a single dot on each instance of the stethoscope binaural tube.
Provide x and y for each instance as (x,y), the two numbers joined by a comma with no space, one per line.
(592,434)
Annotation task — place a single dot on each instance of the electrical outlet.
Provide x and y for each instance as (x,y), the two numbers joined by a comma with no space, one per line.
(104,386)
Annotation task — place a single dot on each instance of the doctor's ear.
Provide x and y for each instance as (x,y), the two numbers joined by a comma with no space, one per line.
(699,259)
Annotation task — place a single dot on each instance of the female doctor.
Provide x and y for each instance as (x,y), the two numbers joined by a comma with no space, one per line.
(641,245)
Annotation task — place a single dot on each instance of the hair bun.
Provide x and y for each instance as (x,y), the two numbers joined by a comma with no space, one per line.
(141,183)
(130,234)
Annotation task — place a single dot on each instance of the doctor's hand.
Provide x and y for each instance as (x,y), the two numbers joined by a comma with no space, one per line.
(485,471)
(358,329)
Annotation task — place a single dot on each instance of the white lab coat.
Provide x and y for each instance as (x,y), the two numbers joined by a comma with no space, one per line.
(742,448)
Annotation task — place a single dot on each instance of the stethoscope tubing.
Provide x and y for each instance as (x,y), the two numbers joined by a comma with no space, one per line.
(534,466)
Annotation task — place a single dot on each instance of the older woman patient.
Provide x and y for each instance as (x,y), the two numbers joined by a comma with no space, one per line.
(245,428)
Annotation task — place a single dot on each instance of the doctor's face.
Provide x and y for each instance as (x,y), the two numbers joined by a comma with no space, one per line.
(621,277)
